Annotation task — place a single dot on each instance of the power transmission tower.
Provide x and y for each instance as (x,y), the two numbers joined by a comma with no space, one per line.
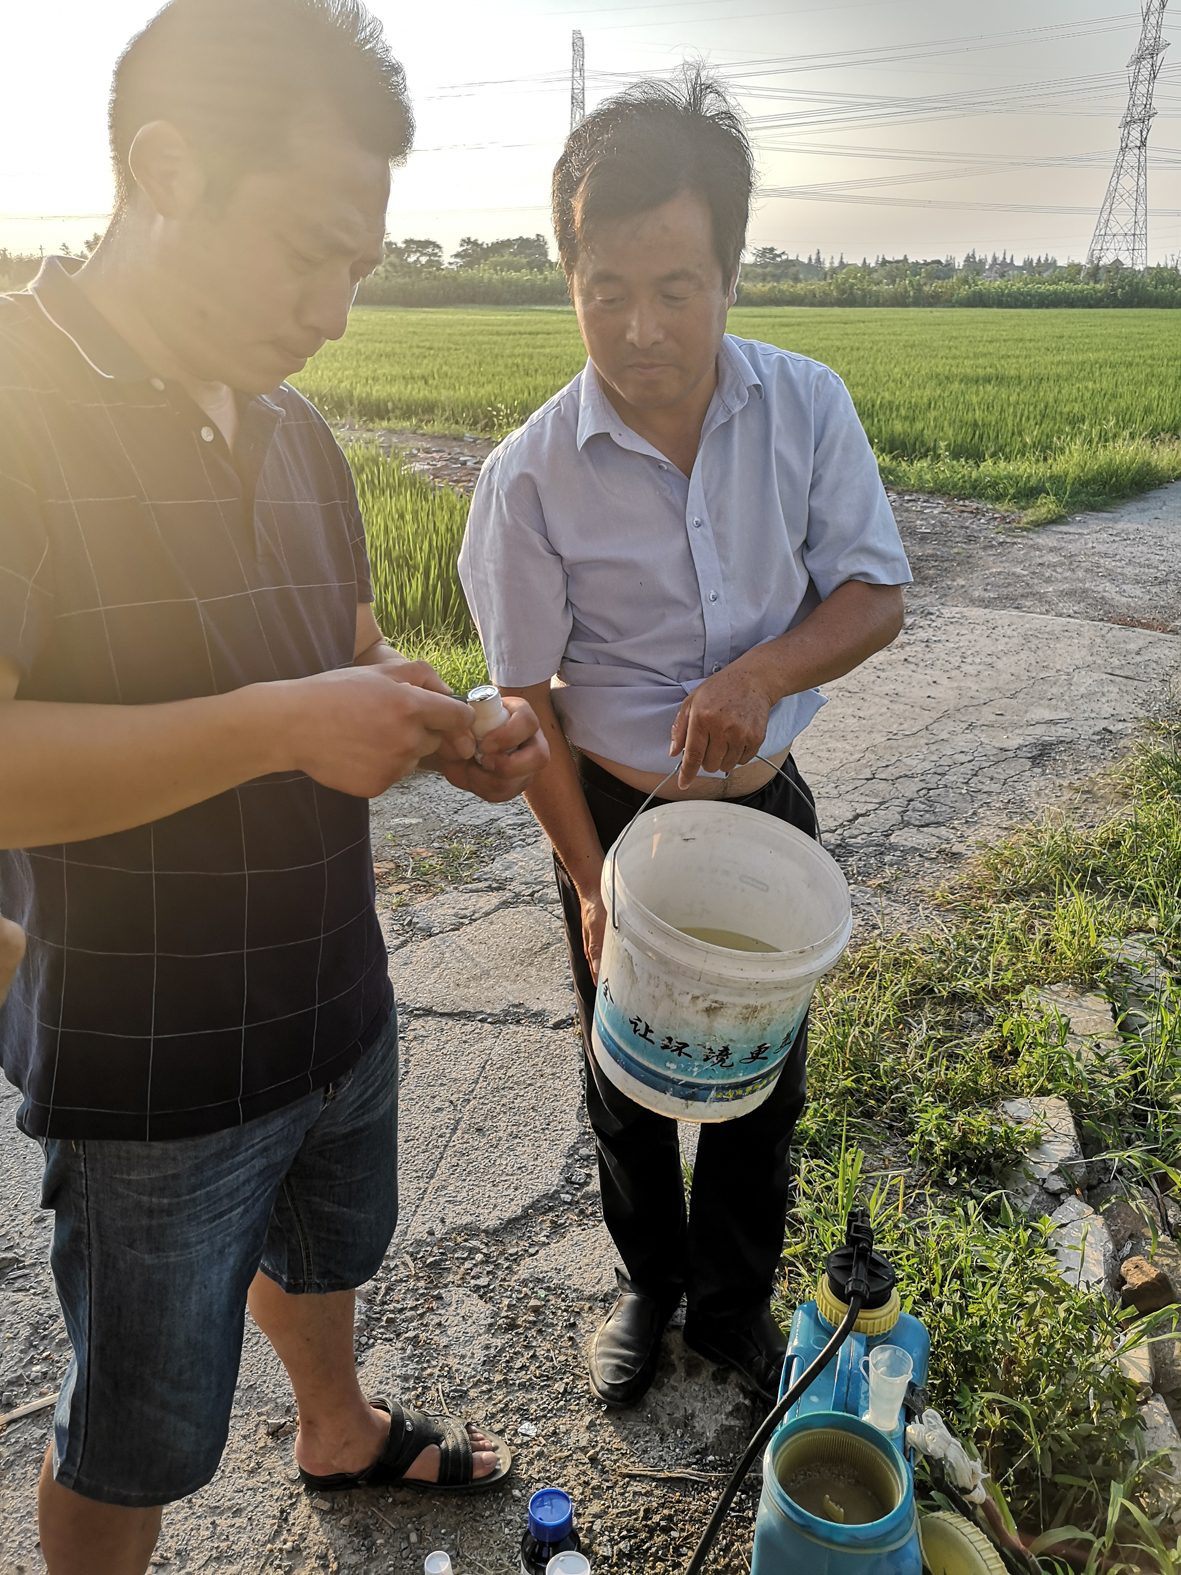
(577,79)
(1121,232)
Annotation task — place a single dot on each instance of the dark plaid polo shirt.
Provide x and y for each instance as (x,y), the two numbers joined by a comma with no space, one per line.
(206,968)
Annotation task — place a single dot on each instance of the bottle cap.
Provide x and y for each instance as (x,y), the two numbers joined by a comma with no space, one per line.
(568,1564)
(482,692)
(551,1515)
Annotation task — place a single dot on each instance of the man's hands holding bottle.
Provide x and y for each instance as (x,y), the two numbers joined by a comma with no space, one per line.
(360,729)
(509,756)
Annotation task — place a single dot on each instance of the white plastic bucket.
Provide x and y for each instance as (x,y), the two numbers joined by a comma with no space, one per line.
(692,1030)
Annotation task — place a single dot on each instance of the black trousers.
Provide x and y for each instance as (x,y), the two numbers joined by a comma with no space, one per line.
(723,1253)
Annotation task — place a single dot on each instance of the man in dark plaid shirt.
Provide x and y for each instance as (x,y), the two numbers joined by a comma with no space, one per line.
(195,703)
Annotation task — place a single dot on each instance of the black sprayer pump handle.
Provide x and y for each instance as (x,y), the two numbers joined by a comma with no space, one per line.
(859,1236)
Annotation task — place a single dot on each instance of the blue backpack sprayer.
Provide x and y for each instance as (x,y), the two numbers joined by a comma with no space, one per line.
(838,1490)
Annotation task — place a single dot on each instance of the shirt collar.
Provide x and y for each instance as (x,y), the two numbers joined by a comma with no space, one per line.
(736,378)
(86,328)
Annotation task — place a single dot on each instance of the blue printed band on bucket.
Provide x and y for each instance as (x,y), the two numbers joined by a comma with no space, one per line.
(708,1084)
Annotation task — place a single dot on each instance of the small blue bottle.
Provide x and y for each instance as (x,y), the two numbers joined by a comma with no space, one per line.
(551,1530)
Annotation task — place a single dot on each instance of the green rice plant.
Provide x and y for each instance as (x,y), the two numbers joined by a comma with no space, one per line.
(458,662)
(413,531)
(1044,412)
(460,370)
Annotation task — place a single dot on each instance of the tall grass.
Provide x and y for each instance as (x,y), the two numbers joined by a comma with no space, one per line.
(413,531)
(1047,412)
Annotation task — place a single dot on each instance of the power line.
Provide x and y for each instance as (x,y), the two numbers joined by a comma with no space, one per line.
(805,194)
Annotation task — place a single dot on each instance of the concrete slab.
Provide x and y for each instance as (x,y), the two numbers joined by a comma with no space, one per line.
(1053,1162)
(1082,1246)
(972,719)
(1117,565)
(488,1115)
(512,961)
(454,910)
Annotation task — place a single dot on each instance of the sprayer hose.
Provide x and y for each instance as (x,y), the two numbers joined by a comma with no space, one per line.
(758,1442)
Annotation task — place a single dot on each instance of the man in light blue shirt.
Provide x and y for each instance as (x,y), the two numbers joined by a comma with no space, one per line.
(666,560)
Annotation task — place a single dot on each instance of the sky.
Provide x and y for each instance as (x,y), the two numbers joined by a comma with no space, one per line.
(880,126)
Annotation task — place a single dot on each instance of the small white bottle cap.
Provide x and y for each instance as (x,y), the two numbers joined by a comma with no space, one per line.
(568,1564)
(490,712)
(437,1564)
(490,709)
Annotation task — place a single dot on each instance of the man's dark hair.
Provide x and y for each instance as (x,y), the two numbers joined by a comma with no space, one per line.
(645,146)
(233,75)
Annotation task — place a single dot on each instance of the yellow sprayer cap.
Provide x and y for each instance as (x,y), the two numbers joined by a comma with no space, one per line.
(878,1321)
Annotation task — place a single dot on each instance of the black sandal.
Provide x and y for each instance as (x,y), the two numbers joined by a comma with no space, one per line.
(410,1433)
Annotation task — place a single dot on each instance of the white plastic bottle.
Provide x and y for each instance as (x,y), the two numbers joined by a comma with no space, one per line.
(491,712)
(490,709)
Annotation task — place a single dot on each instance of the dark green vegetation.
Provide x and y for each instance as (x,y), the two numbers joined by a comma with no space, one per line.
(1046,412)
(914,1042)
(517,271)
(513,271)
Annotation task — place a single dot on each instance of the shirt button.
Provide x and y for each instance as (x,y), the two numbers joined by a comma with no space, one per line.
(717,667)
(663,466)
(713,596)
(157,383)
(207,434)
(697,522)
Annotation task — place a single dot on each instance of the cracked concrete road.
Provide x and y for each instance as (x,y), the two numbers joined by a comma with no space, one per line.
(1021,671)
(973,719)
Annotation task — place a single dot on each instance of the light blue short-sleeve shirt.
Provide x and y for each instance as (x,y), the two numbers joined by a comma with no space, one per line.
(590,559)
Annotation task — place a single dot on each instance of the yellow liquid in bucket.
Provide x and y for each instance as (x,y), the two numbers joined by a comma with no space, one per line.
(834,1495)
(730,939)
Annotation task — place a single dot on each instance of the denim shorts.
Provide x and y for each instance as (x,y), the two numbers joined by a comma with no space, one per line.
(154,1249)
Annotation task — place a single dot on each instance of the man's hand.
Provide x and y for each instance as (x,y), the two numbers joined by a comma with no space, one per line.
(359,729)
(12,950)
(421,675)
(509,756)
(594,927)
(722,724)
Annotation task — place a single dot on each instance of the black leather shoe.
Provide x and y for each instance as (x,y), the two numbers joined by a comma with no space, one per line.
(754,1348)
(625,1351)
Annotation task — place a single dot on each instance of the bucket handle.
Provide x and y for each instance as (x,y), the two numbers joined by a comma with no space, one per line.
(618,843)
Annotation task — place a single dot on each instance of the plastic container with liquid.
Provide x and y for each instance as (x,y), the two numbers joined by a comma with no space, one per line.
(550,1530)
(687,1027)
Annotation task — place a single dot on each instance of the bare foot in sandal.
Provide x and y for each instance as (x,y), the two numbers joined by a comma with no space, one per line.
(450,1455)
(426,1466)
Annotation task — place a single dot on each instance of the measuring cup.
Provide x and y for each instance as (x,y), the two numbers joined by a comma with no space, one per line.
(889,1372)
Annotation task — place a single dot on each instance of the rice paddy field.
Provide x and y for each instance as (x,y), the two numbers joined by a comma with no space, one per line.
(1046,412)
